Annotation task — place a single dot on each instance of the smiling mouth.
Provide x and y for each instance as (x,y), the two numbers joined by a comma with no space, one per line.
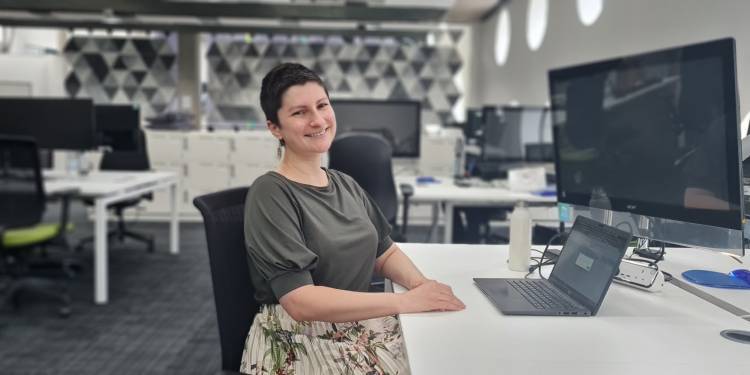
(318,134)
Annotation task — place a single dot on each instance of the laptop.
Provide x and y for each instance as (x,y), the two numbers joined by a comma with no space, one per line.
(579,280)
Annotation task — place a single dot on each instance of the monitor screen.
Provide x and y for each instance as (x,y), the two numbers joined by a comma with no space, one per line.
(501,138)
(517,133)
(474,123)
(55,123)
(653,134)
(399,122)
(116,125)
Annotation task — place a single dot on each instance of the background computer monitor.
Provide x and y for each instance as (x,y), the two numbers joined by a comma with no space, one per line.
(474,123)
(517,133)
(55,123)
(650,143)
(399,122)
(536,135)
(116,126)
(501,138)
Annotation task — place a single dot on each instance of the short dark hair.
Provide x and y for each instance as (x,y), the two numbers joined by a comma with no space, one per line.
(278,80)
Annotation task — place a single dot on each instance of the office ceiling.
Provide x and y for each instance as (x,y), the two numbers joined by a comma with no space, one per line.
(371,16)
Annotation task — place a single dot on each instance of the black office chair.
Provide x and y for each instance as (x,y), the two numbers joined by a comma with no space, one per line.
(223,217)
(366,157)
(127,160)
(22,205)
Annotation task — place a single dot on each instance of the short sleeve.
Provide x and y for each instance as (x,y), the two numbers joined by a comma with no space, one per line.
(382,226)
(274,237)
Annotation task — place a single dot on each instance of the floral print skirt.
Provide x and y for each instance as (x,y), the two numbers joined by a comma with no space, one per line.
(278,344)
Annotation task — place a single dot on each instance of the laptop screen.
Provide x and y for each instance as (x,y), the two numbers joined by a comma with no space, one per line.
(589,260)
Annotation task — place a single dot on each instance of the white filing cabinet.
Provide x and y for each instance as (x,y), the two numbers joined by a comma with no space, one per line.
(206,147)
(165,146)
(160,202)
(207,162)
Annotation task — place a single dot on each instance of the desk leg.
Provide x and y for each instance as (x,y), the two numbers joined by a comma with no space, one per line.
(174,230)
(448,223)
(433,225)
(101,280)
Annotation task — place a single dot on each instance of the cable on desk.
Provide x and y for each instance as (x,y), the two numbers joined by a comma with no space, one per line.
(550,259)
(647,255)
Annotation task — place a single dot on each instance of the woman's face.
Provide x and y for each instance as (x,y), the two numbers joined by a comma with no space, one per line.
(306,119)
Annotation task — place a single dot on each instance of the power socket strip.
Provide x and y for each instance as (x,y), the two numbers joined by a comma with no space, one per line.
(640,275)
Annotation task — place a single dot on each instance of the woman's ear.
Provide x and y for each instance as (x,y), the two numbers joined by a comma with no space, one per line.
(275,129)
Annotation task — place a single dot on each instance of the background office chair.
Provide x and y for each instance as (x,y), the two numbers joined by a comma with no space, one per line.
(223,216)
(366,157)
(22,205)
(130,159)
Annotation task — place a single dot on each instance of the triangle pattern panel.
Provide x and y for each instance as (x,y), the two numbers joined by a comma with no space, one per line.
(72,85)
(369,67)
(88,45)
(138,71)
(72,46)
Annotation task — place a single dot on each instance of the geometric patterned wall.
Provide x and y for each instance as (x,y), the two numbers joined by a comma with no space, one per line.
(122,70)
(351,67)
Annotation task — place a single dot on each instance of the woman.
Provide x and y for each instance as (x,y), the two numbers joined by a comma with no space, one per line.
(314,239)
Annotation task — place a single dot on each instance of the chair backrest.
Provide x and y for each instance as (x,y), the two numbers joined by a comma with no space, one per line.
(223,217)
(128,160)
(22,198)
(367,158)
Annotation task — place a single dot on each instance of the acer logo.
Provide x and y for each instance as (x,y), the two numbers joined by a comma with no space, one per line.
(631,207)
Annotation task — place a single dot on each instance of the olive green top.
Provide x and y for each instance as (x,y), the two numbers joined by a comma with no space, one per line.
(298,234)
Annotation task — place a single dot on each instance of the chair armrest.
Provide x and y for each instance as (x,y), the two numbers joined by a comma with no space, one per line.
(407,190)
(64,195)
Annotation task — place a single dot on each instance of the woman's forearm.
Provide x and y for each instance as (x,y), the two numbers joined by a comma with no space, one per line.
(397,267)
(319,303)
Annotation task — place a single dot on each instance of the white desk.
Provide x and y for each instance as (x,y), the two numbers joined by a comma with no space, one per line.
(635,332)
(106,188)
(678,260)
(447,193)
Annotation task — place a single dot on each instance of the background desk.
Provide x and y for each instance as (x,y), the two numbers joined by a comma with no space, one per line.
(445,192)
(106,188)
(635,332)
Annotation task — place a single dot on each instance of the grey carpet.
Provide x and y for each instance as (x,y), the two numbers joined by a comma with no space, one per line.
(160,319)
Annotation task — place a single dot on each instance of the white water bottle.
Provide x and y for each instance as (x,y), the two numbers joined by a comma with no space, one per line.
(520,239)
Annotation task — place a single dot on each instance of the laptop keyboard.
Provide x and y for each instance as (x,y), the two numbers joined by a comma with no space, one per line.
(540,295)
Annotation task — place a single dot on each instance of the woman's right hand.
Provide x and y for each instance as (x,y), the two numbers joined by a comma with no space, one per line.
(430,296)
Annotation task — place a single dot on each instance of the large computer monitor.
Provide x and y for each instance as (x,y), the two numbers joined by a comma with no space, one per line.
(399,122)
(650,143)
(55,123)
(116,126)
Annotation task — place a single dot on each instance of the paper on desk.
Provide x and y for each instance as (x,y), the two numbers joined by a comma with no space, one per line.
(527,179)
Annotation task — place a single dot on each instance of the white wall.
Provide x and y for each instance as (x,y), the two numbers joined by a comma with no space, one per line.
(27,41)
(624,27)
(26,62)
